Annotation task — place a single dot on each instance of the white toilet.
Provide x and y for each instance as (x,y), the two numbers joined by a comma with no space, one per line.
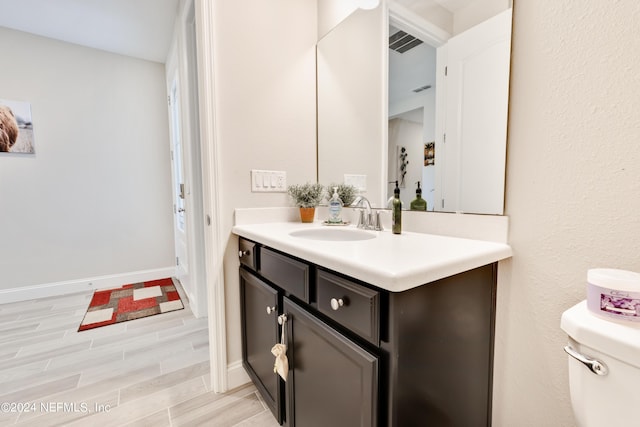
(604,368)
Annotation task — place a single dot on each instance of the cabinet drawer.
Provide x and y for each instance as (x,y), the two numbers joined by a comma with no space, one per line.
(352,305)
(286,272)
(247,253)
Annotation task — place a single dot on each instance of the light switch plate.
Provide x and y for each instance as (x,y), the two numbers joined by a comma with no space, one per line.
(264,181)
(358,181)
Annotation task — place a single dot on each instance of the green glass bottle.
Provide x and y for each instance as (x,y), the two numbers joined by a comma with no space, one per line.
(418,204)
(396,211)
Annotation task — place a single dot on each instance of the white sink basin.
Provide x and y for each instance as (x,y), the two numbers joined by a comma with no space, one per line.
(333,234)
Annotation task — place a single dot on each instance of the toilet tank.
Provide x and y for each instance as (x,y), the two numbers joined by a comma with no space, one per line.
(603,400)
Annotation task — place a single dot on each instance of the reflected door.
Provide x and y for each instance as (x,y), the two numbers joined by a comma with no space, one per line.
(477,97)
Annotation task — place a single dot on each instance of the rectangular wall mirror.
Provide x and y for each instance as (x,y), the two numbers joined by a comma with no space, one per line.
(418,92)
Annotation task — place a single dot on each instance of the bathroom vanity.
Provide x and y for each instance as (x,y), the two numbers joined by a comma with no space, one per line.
(378,333)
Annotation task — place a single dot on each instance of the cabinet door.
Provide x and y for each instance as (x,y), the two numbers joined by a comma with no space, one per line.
(332,380)
(259,334)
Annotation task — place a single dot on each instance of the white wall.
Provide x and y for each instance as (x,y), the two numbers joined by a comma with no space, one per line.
(95,198)
(331,13)
(572,189)
(265,101)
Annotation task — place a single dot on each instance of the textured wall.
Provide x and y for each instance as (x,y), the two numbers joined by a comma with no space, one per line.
(573,185)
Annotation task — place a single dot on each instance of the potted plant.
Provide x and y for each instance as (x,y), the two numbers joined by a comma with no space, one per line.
(346,192)
(306,197)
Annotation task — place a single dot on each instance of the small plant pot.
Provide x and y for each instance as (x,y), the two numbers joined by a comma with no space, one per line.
(307,214)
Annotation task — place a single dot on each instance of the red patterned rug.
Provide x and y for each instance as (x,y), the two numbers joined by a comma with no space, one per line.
(131,302)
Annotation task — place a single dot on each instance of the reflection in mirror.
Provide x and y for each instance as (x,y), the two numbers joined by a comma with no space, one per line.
(352,104)
(465,174)
(475,119)
(460,160)
(406,152)
(412,114)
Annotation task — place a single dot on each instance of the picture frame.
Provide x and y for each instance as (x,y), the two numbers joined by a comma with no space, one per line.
(16,127)
(430,153)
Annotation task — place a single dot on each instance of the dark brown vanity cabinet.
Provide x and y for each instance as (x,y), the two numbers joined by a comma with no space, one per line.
(333,380)
(440,340)
(360,356)
(259,312)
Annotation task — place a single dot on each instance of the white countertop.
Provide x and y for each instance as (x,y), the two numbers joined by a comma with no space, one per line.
(392,262)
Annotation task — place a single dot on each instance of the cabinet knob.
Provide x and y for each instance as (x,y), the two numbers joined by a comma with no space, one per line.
(271,309)
(282,319)
(243,253)
(336,303)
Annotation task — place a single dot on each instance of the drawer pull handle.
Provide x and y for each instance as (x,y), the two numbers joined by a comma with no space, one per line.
(336,303)
(243,253)
(271,309)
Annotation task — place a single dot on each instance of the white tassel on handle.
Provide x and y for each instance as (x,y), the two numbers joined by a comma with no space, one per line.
(281,365)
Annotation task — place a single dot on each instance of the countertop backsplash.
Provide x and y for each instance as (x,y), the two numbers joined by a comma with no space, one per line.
(492,228)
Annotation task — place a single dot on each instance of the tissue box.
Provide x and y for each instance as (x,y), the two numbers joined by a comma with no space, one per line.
(614,294)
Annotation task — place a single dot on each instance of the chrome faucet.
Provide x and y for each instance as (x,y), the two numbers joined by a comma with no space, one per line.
(366,219)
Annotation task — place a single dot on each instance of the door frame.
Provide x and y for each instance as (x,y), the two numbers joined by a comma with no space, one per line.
(188,73)
(178,68)
(212,209)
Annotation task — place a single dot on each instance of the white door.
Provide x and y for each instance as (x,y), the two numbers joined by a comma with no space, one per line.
(187,181)
(477,96)
(179,186)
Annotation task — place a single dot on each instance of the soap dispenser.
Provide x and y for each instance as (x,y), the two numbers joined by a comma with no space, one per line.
(418,204)
(396,211)
(335,208)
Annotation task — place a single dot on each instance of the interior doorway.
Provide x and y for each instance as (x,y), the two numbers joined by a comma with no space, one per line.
(179,189)
(187,181)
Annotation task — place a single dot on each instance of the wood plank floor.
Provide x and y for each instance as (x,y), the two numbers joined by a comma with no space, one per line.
(147,372)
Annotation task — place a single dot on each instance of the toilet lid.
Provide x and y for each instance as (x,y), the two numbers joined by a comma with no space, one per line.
(619,339)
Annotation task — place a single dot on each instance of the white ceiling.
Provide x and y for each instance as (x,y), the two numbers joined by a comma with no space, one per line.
(138,28)
(450,5)
(453,5)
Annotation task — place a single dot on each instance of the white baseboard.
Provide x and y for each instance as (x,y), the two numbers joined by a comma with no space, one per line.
(88,284)
(236,375)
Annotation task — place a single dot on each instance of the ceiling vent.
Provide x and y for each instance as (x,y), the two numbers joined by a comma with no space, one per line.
(402,42)
(420,89)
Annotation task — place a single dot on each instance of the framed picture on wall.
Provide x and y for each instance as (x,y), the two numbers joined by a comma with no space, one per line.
(429,153)
(16,127)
